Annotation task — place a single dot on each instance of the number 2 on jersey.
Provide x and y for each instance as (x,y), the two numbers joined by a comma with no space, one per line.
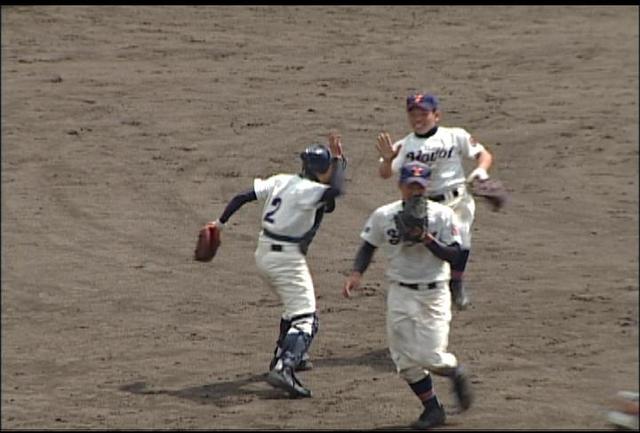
(276,202)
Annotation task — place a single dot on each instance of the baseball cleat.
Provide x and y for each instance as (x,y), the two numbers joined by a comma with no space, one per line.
(623,421)
(624,415)
(430,418)
(305,364)
(286,380)
(462,390)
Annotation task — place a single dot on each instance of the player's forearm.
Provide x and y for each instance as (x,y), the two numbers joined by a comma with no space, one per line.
(236,203)
(337,176)
(336,183)
(385,169)
(485,159)
(449,253)
(363,257)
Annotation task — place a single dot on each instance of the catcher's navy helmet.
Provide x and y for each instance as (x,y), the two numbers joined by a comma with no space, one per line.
(316,159)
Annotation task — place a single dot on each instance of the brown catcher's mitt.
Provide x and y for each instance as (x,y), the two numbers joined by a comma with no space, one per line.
(208,242)
(491,190)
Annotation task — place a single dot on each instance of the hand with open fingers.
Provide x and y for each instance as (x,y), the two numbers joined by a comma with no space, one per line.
(385,147)
(335,144)
(352,283)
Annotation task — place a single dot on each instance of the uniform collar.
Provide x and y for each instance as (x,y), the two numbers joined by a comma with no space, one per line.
(428,134)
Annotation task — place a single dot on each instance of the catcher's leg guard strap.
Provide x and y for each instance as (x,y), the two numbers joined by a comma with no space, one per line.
(285,325)
(307,323)
(298,338)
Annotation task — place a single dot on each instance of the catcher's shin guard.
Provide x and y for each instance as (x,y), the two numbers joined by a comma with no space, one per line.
(282,374)
(297,344)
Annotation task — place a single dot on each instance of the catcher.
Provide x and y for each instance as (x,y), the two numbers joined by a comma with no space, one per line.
(421,238)
(294,206)
(443,150)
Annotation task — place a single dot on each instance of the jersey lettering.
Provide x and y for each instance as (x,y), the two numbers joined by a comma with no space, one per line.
(276,202)
(426,157)
(394,236)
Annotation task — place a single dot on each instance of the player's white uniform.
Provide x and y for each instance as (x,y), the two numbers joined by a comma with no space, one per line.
(291,202)
(417,318)
(443,152)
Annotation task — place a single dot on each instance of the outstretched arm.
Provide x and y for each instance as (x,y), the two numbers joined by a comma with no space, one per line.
(360,265)
(338,167)
(236,203)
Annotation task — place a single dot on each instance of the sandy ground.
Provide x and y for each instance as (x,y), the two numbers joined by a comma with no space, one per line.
(126,128)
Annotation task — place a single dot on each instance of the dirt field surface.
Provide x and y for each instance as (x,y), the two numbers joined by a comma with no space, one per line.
(124,129)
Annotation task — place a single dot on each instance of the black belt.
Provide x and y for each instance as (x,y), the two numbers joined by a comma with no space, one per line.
(430,286)
(280,247)
(442,197)
(282,238)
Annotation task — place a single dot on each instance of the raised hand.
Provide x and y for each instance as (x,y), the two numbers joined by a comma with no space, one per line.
(385,146)
(335,144)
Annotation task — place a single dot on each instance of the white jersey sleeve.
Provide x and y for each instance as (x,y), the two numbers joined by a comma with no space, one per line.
(263,187)
(309,193)
(468,145)
(373,231)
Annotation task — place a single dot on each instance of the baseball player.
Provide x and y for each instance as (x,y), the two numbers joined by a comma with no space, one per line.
(294,205)
(418,298)
(442,149)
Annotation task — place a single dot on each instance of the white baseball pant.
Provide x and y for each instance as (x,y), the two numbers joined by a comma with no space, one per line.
(287,274)
(418,330)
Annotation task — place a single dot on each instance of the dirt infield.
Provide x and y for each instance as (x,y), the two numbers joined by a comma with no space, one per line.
(126,128)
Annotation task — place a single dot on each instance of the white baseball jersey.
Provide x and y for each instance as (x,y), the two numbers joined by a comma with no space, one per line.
(442,152)
(290,205)
(412,263)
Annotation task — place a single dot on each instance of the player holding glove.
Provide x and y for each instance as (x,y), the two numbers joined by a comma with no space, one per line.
(442,149)
(422,239)
(294,206)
